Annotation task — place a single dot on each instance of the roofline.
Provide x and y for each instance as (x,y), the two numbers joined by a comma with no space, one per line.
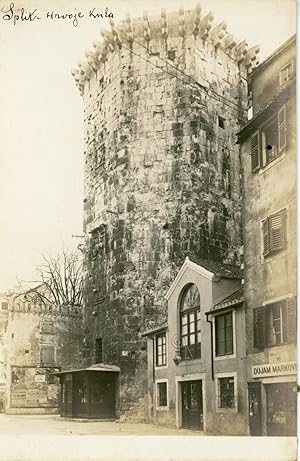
(193,266)
(77,370)
(234,304)
(154,330)
(279,50)
(281,98)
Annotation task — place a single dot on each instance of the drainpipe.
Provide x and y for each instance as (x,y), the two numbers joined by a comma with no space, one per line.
(153,373)
(211,345)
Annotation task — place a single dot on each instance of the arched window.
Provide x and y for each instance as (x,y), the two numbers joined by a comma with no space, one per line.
(190,323)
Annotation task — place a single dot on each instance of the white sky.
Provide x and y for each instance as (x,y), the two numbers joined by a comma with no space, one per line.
(41,114)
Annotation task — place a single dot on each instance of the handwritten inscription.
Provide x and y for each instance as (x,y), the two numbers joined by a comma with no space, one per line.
(15,15)
(19,15)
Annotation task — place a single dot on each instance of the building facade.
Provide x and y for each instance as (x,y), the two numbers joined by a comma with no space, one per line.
(163,100)
(41,339)
(268,153)
(196,361)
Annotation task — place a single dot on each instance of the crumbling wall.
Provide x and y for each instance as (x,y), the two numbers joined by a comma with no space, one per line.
(41,339)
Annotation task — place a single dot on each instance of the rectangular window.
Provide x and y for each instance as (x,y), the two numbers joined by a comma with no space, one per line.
(190,334)
(275,324)
(270,141)
(274,233)
(274,137)
(47,327)
(286,73)
(224,334)
(226,392)
(161,351)
(99,350)
(4,305)
(221,121)
(162,394)
(47,355)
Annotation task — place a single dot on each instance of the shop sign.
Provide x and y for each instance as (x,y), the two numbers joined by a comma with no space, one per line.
(40,378)
(274,369)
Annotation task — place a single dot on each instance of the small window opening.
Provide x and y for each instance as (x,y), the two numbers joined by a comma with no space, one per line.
(221,122)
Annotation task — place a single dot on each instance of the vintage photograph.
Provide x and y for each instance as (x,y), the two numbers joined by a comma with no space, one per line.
(148,275)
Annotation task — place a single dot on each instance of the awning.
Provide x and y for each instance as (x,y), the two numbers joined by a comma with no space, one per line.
(155,330)
(97,367)
(235,300)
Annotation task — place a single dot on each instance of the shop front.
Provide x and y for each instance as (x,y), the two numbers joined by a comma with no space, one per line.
(272,399)
(90,392)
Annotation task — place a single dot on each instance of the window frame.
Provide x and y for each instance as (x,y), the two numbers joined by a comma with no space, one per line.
(157,394)
(218,377)
(47,363)
(288,319)
(267,238)
(190,351)
(163,347)
(226,356)
(291,63)
(259,149)
(47,327)
(224,314)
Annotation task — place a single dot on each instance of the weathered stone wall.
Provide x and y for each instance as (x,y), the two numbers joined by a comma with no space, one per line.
(41,339)
(163,101)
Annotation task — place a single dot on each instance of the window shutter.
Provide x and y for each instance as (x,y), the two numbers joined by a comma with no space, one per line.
(259,327)
(292,320)
(281,129)
(47,355)
(266,243)
(277,231)
(255,155)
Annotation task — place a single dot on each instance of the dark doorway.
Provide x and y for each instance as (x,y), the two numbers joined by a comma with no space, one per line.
(281,409)
(192,405)
(254,408)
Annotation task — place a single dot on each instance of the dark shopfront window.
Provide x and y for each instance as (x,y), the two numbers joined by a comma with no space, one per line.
(226,392)
(162,399)
(281,409)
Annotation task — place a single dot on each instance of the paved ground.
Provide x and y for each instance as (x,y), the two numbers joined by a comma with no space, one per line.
(50,438)
(22,425)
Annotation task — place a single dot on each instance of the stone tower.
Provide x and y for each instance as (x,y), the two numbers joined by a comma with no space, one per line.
(163,100)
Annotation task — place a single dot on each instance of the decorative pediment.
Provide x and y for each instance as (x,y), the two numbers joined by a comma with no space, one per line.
(188,265)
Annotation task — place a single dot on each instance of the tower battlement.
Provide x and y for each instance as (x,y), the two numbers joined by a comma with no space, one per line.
(193,25)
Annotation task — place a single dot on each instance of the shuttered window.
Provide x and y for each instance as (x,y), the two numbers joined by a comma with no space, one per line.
(270,141)
(255,152)
(292,320)
(274,232)
(259,327)
(47,355)
(275,324)
(281,129)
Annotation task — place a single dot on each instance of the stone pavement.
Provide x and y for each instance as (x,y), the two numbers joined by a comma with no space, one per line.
(54,424)
(50,438)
